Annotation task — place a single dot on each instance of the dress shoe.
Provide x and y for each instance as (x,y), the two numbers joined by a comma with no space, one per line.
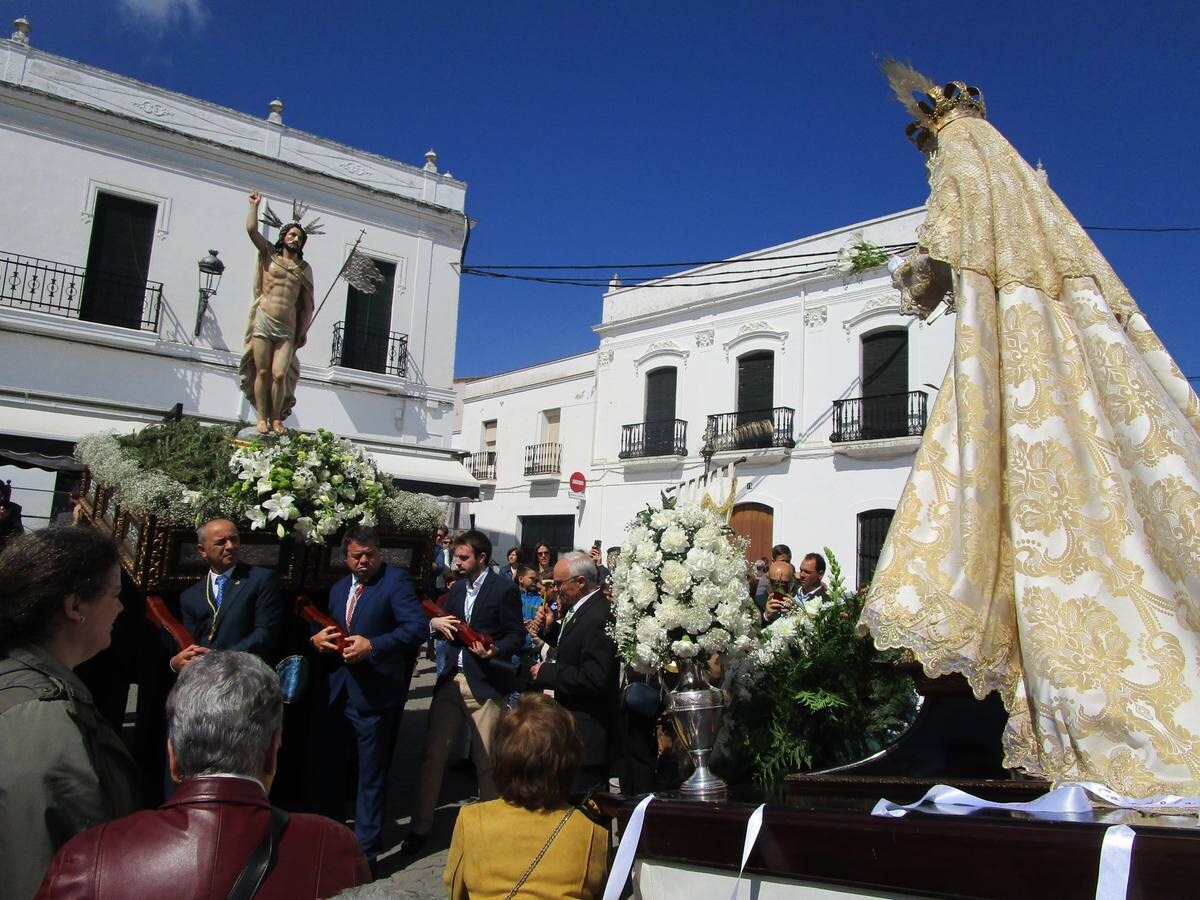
(413,843)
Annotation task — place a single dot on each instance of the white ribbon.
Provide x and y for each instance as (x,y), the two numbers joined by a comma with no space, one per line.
(1157,802)
(626,850)
(753,826)
(1069,798)
(1116,853)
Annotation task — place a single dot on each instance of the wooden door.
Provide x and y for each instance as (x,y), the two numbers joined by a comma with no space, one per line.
(756,522)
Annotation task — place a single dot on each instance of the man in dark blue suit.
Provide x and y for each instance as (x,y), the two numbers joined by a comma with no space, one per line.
(376,608)
(471,688)
(235,606)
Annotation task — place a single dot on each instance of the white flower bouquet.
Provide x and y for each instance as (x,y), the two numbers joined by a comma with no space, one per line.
(309,486)
(786,631)
(301,485)
(680,589)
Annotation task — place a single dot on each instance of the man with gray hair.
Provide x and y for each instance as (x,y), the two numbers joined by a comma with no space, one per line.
(582,669)
(219,829)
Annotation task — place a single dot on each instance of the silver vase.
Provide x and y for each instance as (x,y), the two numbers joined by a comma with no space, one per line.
(696,710)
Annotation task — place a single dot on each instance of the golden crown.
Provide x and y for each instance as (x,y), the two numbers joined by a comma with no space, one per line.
(941,106)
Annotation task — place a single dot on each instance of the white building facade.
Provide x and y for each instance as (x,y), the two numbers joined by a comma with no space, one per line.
(118,188)
(814,382)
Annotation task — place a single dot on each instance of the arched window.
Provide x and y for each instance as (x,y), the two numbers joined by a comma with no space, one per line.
(885,383)
(873,527)
(756,383)
(660,411)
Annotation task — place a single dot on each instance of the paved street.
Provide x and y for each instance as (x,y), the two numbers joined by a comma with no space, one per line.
(422,876)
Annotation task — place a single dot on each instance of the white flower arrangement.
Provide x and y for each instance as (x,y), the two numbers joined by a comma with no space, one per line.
(859,255)
(786,631)
(306,486)
(680,589)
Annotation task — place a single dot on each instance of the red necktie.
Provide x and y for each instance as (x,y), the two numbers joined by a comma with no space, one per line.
(354,595)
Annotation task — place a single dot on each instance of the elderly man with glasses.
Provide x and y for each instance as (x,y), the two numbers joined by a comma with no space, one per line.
(582,669)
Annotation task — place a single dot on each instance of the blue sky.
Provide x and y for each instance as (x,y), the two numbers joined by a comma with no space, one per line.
(596,133)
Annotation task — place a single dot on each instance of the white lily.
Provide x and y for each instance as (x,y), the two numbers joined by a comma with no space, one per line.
(279,506)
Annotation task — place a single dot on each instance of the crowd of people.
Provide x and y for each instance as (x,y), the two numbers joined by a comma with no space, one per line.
(528,677)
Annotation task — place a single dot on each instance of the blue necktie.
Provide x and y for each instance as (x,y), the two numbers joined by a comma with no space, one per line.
(220,592)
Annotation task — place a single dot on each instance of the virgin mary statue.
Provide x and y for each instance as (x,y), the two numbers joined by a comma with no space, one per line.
(1047,543)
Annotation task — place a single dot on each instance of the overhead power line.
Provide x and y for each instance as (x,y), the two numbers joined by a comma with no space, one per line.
(815,262)
(1152,230)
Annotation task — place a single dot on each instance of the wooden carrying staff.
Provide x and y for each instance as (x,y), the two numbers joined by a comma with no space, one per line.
(308,611)
(157,612)
(468,634)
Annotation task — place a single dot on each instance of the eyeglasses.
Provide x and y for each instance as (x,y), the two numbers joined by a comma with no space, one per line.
(559,583)
(543,553)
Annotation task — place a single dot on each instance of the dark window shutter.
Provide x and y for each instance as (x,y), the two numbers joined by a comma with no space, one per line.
(756,382)
(369,323)
(885,384)
(660,410)
(885,363)
(872,529)
(118,263)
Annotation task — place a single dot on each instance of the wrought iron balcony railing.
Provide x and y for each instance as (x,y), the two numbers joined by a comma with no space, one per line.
(370,350)
(876,418)
(542,459)
(642,440)
(482,466)
(75,293)
(752,429)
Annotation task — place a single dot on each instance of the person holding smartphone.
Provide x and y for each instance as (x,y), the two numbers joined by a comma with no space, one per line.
(602,572)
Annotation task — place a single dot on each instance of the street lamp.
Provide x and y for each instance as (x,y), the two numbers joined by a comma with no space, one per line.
(211,269)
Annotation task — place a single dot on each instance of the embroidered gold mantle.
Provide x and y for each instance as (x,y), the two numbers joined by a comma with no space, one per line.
(1047,544)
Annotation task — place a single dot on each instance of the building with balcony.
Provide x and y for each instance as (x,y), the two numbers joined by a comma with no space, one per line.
(815,382)
(528,431)
(117,188)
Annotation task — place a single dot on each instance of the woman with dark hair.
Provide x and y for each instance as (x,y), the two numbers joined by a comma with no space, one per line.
(530,842)
(544,559)
(509,569)
(62,767)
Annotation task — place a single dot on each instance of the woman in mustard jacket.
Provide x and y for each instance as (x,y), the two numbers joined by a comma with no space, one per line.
(530,838)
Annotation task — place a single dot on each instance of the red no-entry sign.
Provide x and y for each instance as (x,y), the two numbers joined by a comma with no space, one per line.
(578,482)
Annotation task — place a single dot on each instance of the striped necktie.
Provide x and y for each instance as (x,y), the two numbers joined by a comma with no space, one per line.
(355,593)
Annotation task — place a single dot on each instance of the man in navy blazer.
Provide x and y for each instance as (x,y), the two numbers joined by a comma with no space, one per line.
(471,687)
(377,609)
(235,606)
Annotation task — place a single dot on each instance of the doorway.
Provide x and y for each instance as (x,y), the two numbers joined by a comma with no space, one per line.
(756,522)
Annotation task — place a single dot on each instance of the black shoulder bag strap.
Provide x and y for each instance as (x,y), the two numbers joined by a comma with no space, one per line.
(261,860)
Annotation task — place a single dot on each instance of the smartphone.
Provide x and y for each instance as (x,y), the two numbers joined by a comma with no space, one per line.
(596,544)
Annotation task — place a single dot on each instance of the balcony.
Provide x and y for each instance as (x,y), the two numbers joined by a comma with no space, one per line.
(542,461)
(879,427)
(755,429)
(645,440)
(74,293)
(482,466)
(876,418)
(369,350)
